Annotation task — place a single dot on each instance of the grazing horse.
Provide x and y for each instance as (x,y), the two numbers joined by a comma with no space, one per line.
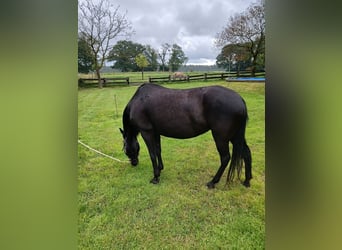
(178,75)
(155,110)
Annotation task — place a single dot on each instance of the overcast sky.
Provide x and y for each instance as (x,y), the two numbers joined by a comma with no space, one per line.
(192,24)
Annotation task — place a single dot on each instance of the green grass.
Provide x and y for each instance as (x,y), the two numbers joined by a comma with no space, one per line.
(120,209)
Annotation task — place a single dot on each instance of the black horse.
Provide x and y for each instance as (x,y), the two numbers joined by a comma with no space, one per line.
(154,111)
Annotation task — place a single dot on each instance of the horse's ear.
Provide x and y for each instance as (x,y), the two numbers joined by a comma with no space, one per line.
(122,132)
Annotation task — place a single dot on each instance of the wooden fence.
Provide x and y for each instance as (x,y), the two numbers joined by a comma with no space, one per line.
(205,76)
(89,82)
(92,82)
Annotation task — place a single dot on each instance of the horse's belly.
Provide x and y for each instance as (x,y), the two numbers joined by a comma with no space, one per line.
(182,131)
(181,135)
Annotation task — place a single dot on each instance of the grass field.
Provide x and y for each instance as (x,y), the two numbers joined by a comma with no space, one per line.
(120,209)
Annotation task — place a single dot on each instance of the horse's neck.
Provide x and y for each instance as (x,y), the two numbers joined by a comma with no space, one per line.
(128,127)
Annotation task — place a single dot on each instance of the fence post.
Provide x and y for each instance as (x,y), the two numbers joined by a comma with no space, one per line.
(205,76)
(81,82)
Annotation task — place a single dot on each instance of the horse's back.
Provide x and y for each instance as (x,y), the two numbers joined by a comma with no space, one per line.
(220,98)
(152,97)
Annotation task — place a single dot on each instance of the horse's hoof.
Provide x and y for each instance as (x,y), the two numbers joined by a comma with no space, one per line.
(155,181)
(210,185)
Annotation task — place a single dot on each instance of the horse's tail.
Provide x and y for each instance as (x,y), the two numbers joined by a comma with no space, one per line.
(241,154)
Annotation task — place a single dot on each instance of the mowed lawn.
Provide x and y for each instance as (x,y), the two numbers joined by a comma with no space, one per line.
(120,209)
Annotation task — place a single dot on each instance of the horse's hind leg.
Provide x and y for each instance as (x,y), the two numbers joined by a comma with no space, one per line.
(223,149)
(158,152)
(248,165)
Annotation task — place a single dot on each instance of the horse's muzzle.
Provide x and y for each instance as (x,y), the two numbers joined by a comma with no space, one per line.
(134,162)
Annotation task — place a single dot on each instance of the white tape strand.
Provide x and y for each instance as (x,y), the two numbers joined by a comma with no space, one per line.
(103,154)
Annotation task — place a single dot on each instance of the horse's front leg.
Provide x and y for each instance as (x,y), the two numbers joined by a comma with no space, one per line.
(151,144)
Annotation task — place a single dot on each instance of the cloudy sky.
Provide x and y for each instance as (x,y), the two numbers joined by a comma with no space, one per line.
(192,24)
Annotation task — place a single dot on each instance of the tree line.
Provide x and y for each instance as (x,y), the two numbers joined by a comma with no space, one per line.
(242,42)
(128,56)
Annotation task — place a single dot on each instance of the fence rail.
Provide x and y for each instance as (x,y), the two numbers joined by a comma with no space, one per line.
(86,82)
(205,76)
(90,82)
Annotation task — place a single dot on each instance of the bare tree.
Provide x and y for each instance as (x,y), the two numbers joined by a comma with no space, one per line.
(164,50)
(100,23)
(247,30)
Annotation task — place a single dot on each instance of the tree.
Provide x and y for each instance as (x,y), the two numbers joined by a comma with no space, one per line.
(177,57)
(85,59)
(152,57)
(100,23)
(246,30)
(233,57)
(164,50)
(124,53)
(142,63)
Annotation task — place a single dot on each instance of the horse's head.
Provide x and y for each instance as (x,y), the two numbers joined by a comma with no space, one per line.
(131,147)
